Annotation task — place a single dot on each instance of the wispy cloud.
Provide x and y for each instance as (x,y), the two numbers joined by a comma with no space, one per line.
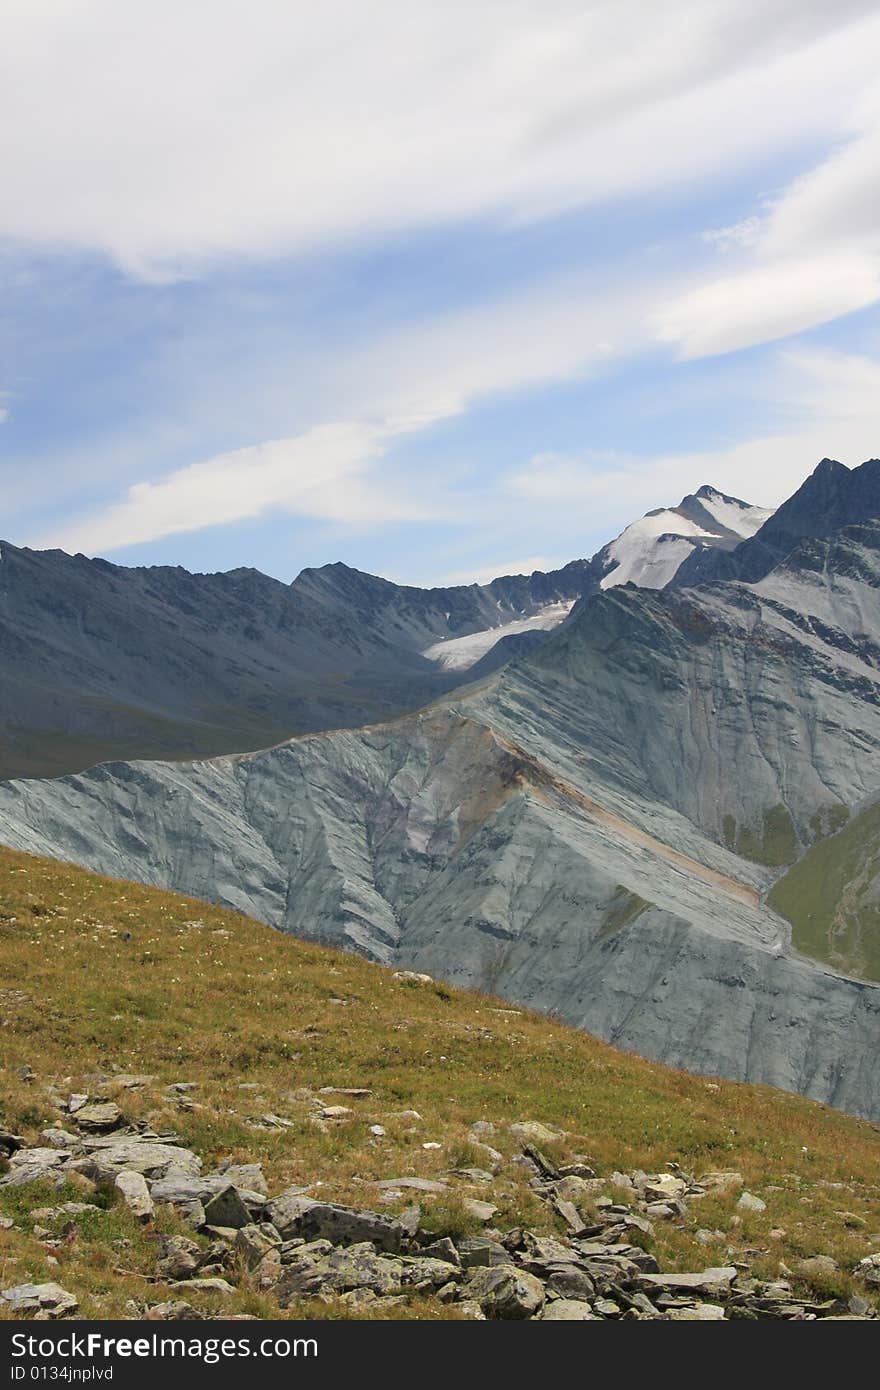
(323,474)
(831,397)
(281,127)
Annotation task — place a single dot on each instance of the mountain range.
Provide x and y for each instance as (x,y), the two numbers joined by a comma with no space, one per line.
(639,792)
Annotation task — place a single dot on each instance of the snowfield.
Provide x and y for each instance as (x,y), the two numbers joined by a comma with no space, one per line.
(458,653)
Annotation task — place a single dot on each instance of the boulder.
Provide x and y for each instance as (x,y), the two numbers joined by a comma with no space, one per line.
(286,1211)
(427,1274)
(664,1188)
(533,1132)
(503,1291)
(722,1181)
(339,1271)
(711,1281)
(98,1117)
(35,1165)
(247,1175)
(868,1270)
(569,1282)
(226,1208)
(749,1202)
(480,1211)
(105,1157)
(340,1225)
(61,1139)
(568,1310)
(697,1312)
(48,1299)
(253,1243)
(476,1252)
(136,1194)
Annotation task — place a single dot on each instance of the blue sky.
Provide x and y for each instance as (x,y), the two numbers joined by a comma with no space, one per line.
(440,291)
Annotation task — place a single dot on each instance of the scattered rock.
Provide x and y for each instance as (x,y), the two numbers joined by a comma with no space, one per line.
(568,1310)
(503,1291)
(749,1202)
(226,1208)
(709,1281)
(211,1285)
(868,1270)
(136,1194)
(176,1310)
(817,1266)
(481,1211)
(48,1299)
(533,1132)
(725,1180)
(416,1184)
(99,1117)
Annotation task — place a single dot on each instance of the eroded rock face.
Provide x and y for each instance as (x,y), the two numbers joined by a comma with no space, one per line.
(590,831)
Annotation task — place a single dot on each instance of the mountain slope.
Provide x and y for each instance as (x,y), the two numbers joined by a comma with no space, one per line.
(100,661)
(833,497)
(651,551)
(832,897)
(206,1026)
(591,829)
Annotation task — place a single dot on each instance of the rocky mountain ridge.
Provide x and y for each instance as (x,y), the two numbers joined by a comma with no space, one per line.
(100,661)
(592,829)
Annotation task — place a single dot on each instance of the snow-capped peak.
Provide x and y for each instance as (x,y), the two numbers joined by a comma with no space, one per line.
(730,514)
(651,550)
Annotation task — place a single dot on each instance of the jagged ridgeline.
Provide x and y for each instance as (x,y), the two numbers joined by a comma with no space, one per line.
(594,828)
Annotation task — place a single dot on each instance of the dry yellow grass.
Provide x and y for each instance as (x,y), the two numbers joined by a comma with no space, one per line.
(101,976)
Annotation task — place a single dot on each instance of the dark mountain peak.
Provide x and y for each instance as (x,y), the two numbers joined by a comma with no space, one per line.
(827,467)
(832,497)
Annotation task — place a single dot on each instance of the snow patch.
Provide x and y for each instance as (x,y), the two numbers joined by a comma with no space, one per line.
(735,516)
(649,551)
(458,653)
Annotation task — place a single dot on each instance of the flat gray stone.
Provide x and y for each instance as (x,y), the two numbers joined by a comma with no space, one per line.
(49,1299)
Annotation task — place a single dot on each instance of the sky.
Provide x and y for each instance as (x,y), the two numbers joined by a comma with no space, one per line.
(442,291)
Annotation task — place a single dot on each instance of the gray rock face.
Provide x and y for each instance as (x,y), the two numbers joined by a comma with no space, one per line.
(591,830)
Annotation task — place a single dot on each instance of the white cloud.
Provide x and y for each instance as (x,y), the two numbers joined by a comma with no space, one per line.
(815,252)
(323,474)
(4,414)
(403,384)
(165,133)
(744,233)
(773,299)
